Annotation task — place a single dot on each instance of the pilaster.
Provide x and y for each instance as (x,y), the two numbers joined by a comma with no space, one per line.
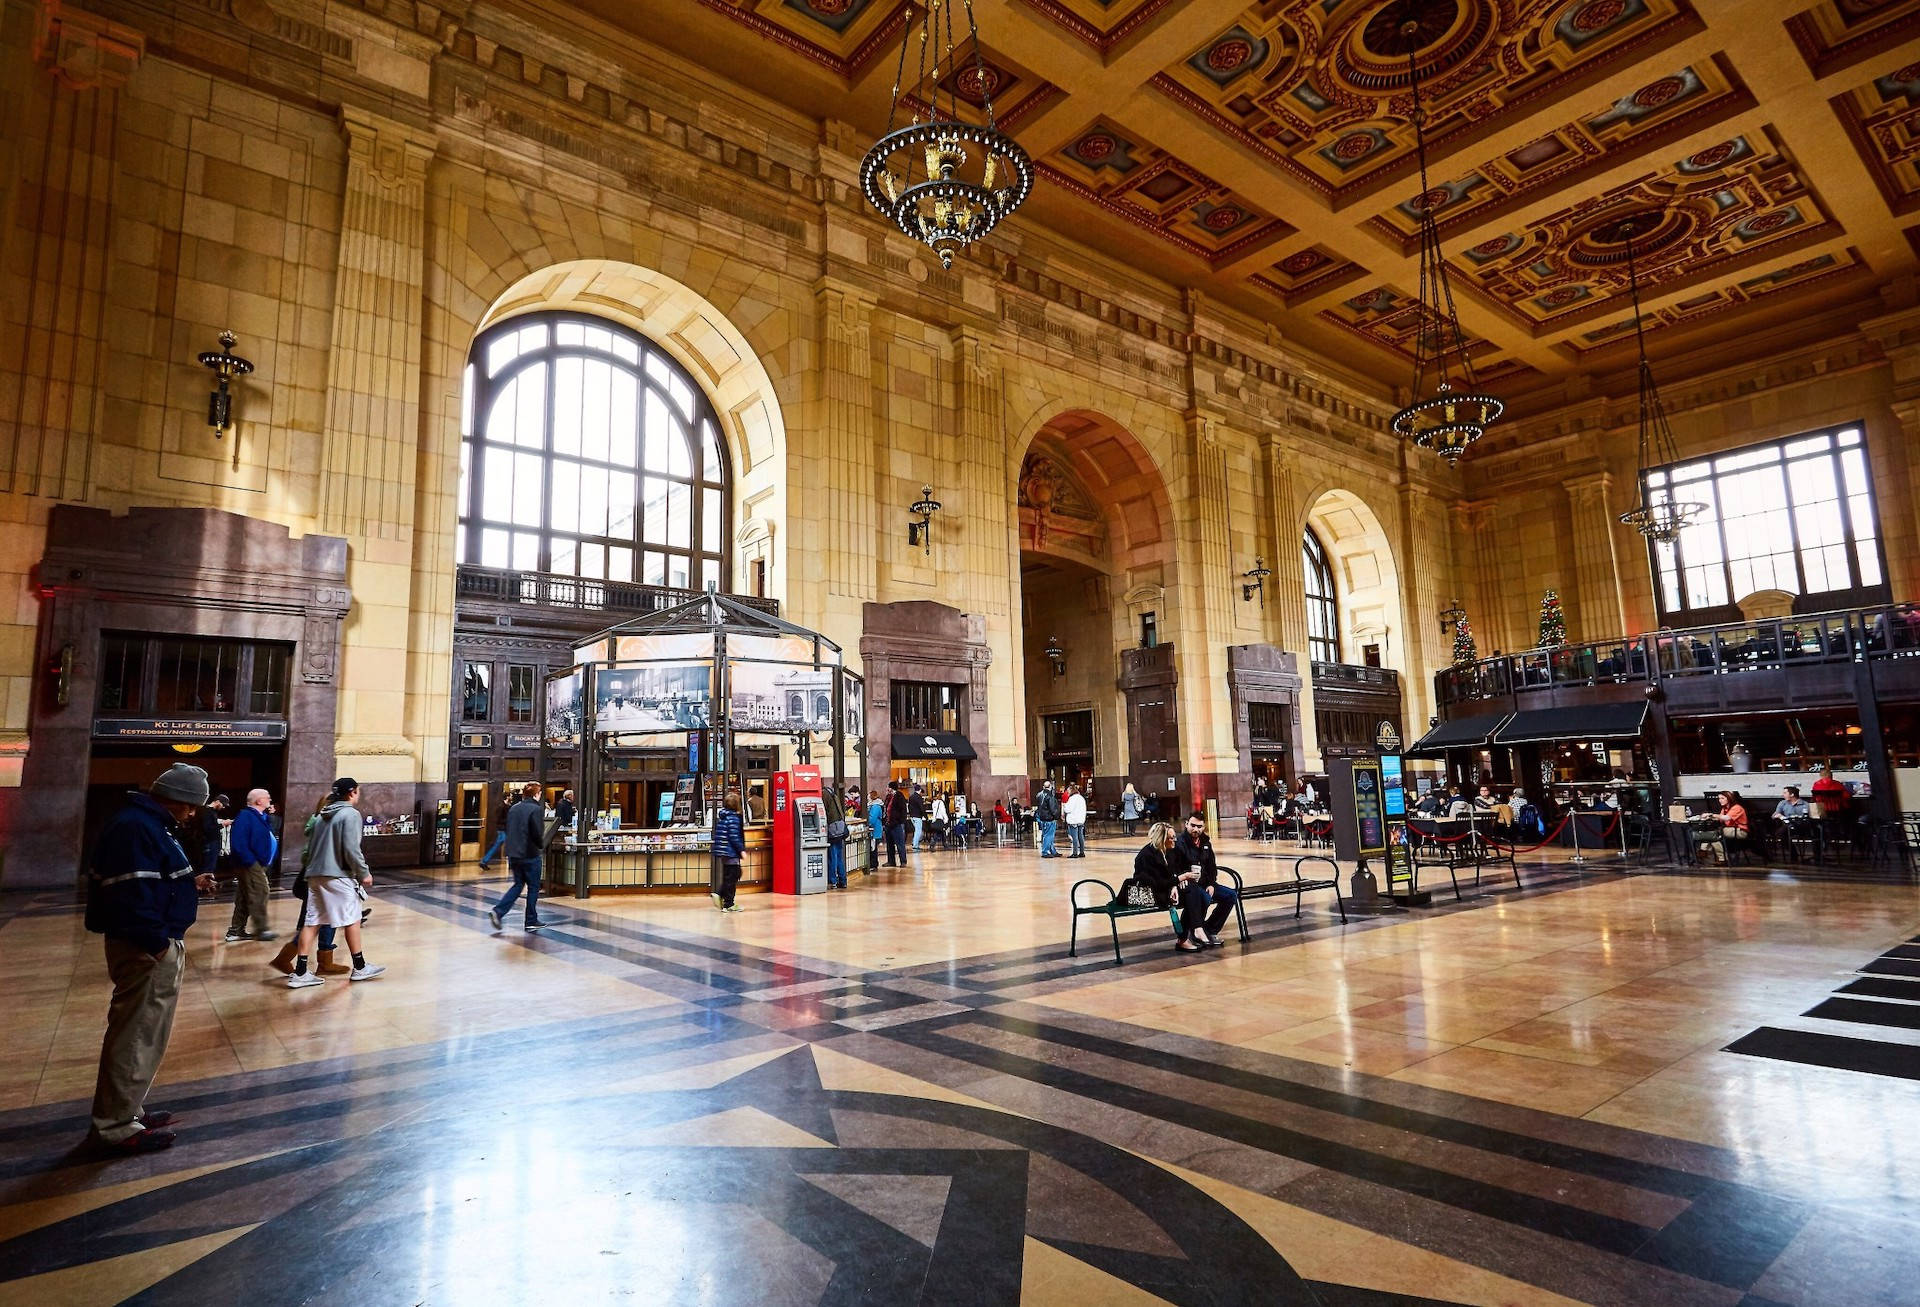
(373,361)
(1479,553)
(1206,581)
(61,156)
(1424,572)
(372,438)
(986,580)
(845,512)
(1603,609)
(1287,588)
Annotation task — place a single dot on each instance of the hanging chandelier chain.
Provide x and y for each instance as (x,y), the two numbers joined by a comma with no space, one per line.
(980,70)
(899,75)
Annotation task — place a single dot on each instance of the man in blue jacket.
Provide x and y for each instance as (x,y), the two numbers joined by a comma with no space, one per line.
(526,836)
(142,894)
(254,848)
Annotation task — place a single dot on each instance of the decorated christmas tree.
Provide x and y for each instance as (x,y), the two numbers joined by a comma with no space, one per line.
(1553,622)
(1465,652)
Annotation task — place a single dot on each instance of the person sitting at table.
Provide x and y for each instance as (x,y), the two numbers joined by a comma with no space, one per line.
(1457,805)
(1733,816)
(1484,800)
(1792,807)
(1153,867)
(1830,794)
(1193,851)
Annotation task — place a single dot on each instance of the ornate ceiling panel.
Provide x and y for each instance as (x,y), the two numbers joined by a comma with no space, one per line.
(1311,271)
(1836,34)
(1100,24)
(1664,109)
(1261,150)
(1150,188)
(843,35)
(1820,268)
(1016,93)
(1727,206)
(1883,119)
(1312,85)
(1388,318)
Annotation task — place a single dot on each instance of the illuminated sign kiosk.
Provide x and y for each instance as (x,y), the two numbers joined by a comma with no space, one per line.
(1370,818)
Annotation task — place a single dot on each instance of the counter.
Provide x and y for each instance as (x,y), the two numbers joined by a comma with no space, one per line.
(674,859)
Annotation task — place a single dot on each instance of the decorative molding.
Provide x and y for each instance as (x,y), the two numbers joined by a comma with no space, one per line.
(83,51)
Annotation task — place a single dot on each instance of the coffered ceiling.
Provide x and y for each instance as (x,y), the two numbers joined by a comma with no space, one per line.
(1263,152)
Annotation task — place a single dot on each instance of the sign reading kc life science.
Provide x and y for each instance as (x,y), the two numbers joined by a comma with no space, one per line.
(188,728)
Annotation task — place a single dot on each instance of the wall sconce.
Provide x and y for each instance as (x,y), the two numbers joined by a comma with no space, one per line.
(924,509)
(1451,618)
(1056,656)
(1256,578)
(225,365)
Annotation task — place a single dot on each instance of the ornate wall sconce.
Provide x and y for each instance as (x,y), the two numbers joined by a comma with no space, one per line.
(1450,618)
(1056,656)
(225,366)
(1256,581)
(924,509)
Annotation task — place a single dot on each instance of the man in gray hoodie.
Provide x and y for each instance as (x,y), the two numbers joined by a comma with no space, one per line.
(334,862)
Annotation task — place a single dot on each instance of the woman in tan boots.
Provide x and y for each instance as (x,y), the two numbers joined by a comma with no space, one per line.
(324,965)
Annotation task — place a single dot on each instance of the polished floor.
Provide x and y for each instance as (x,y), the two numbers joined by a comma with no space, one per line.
(908,1092)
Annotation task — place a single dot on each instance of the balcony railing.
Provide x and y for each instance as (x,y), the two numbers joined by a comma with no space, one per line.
(543,588)
(1354,674)
(1850,635)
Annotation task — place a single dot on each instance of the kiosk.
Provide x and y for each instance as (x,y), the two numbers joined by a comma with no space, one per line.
(667,712)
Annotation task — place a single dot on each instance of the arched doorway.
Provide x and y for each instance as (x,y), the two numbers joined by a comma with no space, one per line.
(1096,540)
(1357,636)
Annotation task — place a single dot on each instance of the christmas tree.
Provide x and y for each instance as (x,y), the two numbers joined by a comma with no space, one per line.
(1553,622)
(1465,652)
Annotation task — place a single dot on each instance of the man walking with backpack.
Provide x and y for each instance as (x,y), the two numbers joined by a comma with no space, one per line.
(1046,814)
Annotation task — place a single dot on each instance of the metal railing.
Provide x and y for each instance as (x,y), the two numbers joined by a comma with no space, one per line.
(1845,636)
(544,588)
(1380,678)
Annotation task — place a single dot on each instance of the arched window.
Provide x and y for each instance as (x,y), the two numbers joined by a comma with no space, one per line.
(1323,606)
(588,451)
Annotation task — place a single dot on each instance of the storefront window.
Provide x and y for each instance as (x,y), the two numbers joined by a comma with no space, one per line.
(121,663)
(519,692)
(924,706)
(476,693)
(196,676)
(269,693)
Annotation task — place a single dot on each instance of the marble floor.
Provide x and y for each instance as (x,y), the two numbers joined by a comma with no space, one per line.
(1608,1087)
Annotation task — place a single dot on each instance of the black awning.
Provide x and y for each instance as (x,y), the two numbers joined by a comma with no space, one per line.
(909,745)
(1594,721)
(1460,733)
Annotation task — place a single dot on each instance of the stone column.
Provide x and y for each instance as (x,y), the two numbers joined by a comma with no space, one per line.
(1603,610)
(1287,591)
(988,541)
(1206,588)
(845,512)
(372,439)
(1903,569)
(1424,571)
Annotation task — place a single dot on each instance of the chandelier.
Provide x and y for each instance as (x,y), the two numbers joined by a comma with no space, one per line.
(944,181)
(1449,411)
(1658,516)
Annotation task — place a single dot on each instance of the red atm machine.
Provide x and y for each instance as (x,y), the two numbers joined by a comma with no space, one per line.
(799,832)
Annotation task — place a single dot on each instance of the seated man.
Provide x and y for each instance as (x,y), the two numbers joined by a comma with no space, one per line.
(1193,851)
(1433,803)
(1792,807)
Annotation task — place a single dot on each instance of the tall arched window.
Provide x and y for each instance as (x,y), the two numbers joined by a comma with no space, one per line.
(588,451)
(1323,606)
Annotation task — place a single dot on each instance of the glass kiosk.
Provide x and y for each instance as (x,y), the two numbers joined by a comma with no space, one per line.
(668,711)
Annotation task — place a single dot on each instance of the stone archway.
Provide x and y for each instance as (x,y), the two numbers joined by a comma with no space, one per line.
(1095,540)
(1351,696)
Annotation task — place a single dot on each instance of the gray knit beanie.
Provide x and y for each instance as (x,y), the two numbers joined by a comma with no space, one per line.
(182,783)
